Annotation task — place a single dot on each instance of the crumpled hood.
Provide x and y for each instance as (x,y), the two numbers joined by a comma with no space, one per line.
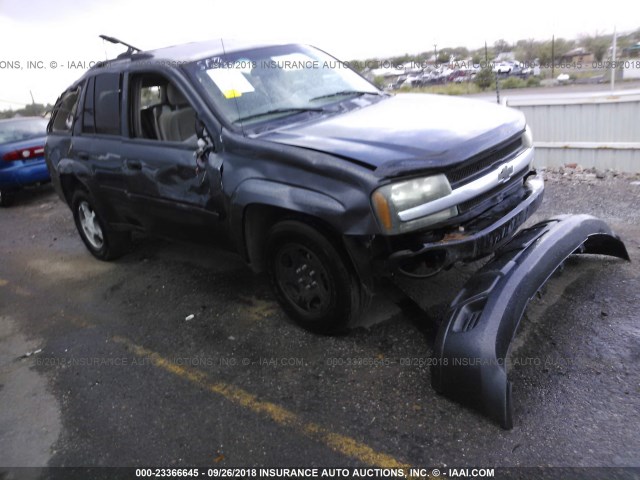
(407,132)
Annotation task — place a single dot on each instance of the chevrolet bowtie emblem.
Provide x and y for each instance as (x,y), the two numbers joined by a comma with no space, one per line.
(505,173)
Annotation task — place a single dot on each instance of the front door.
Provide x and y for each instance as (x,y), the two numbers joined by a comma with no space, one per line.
(169,193)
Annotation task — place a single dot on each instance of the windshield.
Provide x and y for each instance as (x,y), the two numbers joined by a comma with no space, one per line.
(22,129)
(269,83)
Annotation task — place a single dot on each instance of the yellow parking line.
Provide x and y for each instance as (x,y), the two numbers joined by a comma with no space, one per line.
(339,443)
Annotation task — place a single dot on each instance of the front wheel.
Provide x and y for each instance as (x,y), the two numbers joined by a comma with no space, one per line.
(103,242)
(311,278)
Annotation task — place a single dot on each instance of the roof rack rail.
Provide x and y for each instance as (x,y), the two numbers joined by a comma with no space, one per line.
(130,48)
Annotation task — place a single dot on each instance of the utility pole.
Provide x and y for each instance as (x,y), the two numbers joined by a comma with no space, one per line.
(435,54)
(553,57)
(486,53)
(613,61)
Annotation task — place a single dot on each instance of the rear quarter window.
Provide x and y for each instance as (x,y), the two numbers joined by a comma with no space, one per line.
(64,113)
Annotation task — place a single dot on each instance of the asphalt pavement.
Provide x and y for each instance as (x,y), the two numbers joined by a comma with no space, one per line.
(177,355)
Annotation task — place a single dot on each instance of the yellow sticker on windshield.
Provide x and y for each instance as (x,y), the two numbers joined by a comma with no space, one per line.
(232,83)
(232,93)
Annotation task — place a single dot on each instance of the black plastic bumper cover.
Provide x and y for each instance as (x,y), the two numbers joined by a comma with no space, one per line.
(472,344)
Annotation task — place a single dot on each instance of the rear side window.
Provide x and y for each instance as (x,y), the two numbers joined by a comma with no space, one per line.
(88,119)
(101,110)
(64,113)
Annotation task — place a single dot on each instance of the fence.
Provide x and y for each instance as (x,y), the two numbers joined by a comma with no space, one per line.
(599,130)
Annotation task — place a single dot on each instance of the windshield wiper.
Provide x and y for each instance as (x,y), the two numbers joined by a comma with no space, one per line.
(279,110)
(344,92)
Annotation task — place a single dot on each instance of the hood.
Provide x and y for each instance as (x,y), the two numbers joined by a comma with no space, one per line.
(407,132)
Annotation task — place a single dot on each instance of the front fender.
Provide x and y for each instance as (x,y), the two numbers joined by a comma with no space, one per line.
(471,345)
(266,193)
(290,197)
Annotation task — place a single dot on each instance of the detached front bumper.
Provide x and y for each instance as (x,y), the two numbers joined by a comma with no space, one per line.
(471,346)
(480,240)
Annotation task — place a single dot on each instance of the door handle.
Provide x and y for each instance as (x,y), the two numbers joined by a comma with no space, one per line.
(133,164)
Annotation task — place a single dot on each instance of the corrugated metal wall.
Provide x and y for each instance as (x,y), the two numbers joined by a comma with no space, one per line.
(593,130)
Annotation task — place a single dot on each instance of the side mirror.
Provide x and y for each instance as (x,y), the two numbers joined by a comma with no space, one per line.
(205,146)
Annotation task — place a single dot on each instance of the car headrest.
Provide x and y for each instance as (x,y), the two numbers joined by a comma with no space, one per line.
(175,97)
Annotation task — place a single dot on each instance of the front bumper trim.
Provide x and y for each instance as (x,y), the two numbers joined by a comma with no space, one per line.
(472,344)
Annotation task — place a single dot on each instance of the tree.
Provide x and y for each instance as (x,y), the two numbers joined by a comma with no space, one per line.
(459,53)
(501,46)
(443,57)
(526,50)
(543,52)
(561,46)
(596,44)
(484,78)
(401,59)
(478,55)
(29,110)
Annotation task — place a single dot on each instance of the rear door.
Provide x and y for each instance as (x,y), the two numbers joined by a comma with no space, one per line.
(97,145)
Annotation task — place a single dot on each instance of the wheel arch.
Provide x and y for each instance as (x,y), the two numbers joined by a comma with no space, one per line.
(259,218)
(69,182)
(257,204)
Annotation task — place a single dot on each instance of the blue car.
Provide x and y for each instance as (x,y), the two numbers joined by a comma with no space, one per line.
(21,155)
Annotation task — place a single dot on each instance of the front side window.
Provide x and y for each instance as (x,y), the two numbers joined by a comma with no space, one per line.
(269,83)
(159,110)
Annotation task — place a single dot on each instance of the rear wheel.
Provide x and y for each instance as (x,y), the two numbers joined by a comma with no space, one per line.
(6,198)
(311,278)
(103,242)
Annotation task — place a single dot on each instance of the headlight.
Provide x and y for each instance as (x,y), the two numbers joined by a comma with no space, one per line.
(527,138)
(389,200)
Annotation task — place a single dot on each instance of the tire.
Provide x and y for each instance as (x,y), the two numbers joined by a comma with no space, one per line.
(312,279)
(6,198)
(103,242)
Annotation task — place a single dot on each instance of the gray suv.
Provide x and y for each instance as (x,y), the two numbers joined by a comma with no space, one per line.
(289,158)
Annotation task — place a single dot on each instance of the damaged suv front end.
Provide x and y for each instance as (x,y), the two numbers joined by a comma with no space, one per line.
(449,179)
(287,157)
(463,214)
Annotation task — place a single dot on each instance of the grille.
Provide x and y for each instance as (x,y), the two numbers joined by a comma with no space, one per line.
(483,163)
(503,189)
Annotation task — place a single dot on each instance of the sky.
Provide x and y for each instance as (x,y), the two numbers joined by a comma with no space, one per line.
(57,36)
